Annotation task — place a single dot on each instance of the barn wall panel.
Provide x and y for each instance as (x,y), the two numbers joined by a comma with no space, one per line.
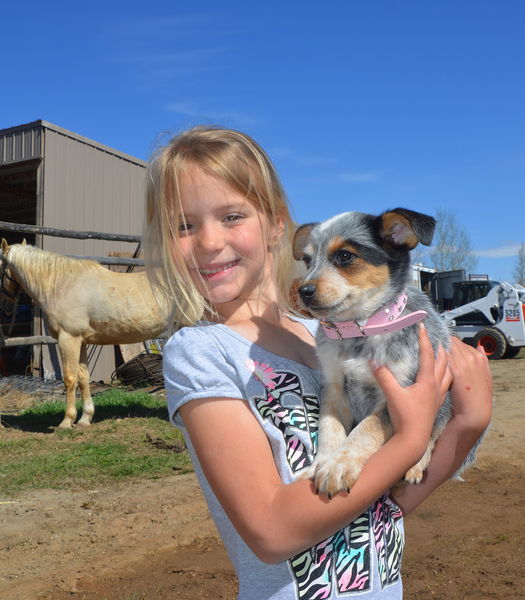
(87,187)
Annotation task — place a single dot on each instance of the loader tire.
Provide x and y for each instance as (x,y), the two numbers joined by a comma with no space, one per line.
(493,341)
(512,351)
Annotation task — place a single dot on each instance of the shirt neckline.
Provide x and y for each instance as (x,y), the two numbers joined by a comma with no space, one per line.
(248,342)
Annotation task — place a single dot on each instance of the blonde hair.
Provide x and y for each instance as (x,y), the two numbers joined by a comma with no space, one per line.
(242,164)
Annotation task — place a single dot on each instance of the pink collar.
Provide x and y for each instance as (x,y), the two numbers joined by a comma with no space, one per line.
(383,321)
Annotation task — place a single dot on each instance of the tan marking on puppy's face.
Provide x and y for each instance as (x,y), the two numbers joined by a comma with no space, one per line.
(336,244)
(327,290)
(346,282)
(364,275)
(358,272)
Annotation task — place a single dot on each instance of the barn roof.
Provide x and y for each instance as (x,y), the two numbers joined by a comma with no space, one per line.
(24,142)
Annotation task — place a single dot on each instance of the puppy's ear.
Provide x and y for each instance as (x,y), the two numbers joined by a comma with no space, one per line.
(300,238)
(403,227)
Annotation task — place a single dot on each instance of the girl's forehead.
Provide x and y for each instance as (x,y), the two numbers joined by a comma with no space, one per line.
(200,190)
(194,178)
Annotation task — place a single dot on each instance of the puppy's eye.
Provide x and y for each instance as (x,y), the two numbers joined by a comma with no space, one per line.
(344,257)
(307,260)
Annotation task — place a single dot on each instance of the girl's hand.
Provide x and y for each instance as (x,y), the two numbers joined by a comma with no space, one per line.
(413,409)
(472,408)
(472,388)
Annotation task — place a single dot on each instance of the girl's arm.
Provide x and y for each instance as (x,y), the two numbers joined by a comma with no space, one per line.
(279,520)
(472,410)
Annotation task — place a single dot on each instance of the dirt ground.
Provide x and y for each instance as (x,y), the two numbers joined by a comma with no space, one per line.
(154,540)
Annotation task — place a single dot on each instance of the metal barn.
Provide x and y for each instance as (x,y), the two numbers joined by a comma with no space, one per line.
(52,177)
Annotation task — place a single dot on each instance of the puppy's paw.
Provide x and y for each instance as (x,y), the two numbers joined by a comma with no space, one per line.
(337,472)
(307,473)
(415,474)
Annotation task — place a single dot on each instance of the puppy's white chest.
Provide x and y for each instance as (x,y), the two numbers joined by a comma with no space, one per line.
(337,365)
(358,368)
(335,359)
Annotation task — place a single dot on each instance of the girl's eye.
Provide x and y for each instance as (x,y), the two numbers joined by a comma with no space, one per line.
(344,257)
(184,227)
(234,217)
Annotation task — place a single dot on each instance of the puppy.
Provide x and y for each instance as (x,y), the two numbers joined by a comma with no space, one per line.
(358,284)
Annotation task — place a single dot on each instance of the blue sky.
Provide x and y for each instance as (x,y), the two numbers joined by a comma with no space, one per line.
(362,105)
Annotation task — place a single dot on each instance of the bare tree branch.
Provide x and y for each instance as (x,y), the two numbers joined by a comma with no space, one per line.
(519,267)
(452,248)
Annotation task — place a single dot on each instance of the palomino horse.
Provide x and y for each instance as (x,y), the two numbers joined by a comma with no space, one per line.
(83,303)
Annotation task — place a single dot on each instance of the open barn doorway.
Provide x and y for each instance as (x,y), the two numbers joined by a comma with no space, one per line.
(18,204)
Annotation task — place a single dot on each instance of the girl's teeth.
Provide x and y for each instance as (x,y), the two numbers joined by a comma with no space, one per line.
(217,270)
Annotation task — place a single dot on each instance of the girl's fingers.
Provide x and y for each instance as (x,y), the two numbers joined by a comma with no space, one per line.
(462,355)
(426,355)
(430,368)
(481,349)
(441,364)
(445,383)
(384,377)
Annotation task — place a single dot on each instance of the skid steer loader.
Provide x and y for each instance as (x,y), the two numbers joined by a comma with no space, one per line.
(495,320)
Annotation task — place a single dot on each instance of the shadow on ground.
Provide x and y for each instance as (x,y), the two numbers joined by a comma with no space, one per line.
(48,420)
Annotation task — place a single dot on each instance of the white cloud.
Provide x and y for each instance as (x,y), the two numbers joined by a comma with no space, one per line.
(166,48)
(501,252)
(359,177)
(216,115)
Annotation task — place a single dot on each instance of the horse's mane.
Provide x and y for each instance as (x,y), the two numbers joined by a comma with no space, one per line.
(45,271)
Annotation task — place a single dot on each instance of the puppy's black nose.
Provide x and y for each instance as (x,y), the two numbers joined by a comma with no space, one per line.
(307,291)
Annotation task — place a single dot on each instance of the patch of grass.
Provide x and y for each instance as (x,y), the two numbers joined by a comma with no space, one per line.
(110,404)
(130,438)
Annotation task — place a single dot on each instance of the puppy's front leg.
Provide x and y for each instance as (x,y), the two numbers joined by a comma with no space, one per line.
(341,469)
(335,420)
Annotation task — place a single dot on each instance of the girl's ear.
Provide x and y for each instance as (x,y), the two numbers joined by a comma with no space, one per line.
(276,232)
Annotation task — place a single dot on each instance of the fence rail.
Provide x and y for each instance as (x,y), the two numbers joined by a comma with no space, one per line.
(78,235)
(27,341)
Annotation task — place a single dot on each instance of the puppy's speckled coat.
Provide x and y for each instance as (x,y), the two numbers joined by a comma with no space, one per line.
(357,264)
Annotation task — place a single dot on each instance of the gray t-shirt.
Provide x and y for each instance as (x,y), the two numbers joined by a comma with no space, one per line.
(361,561)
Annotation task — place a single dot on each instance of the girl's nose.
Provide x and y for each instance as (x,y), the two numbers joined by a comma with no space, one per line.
(211,237)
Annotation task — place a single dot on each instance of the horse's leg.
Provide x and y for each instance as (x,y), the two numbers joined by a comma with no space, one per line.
(69,348)
(88,408)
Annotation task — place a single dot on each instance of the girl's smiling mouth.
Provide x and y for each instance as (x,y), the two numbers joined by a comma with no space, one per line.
(216,271)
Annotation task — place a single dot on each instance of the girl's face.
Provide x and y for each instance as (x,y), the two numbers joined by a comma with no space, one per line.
(224,241)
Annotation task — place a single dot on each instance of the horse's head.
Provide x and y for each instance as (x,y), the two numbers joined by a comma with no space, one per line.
(9,285)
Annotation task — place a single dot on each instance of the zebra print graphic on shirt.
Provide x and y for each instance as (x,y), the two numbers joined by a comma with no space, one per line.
(388,540)
(343,561)
(304,417)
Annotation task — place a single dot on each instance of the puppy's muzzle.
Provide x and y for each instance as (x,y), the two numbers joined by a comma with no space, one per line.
(307,292)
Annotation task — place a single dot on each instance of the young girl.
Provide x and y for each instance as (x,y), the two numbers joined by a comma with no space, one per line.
(242,384)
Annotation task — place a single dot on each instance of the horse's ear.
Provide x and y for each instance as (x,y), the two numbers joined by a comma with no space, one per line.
(24,243)
(5,245)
